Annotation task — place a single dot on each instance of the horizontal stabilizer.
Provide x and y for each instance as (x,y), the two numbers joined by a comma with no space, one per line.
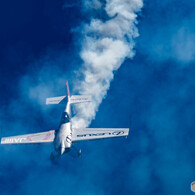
(56,100)
(35,138)
(80,98)
(98,133)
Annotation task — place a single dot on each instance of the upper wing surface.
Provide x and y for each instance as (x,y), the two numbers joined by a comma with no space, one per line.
(98,133)
(35,138)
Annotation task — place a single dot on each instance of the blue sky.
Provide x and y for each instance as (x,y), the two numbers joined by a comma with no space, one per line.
(153,94)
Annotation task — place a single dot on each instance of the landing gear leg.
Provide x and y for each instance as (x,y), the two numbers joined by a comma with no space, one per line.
(79,153)
(75,152)
(54,158)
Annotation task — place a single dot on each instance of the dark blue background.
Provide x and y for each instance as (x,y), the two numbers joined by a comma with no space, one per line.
(153,94)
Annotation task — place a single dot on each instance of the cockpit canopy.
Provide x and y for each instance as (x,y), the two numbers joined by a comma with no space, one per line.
(65,118)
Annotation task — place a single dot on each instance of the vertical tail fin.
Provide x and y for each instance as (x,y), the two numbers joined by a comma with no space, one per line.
(67,89)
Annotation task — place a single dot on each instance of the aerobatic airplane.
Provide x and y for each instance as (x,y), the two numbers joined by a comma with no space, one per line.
(63,137)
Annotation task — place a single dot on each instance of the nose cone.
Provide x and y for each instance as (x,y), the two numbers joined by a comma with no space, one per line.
(62,149)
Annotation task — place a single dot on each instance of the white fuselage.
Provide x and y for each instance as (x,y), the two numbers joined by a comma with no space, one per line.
(63,136)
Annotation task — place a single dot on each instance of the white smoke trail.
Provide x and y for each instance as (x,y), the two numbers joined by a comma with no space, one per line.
(104,48)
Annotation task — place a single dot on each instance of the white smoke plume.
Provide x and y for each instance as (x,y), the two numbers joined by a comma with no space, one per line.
(105,46)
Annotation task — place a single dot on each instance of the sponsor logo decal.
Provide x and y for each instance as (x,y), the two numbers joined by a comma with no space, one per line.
(14,140)
(115,133)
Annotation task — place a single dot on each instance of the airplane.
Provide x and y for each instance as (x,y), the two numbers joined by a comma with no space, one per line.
(63,137)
